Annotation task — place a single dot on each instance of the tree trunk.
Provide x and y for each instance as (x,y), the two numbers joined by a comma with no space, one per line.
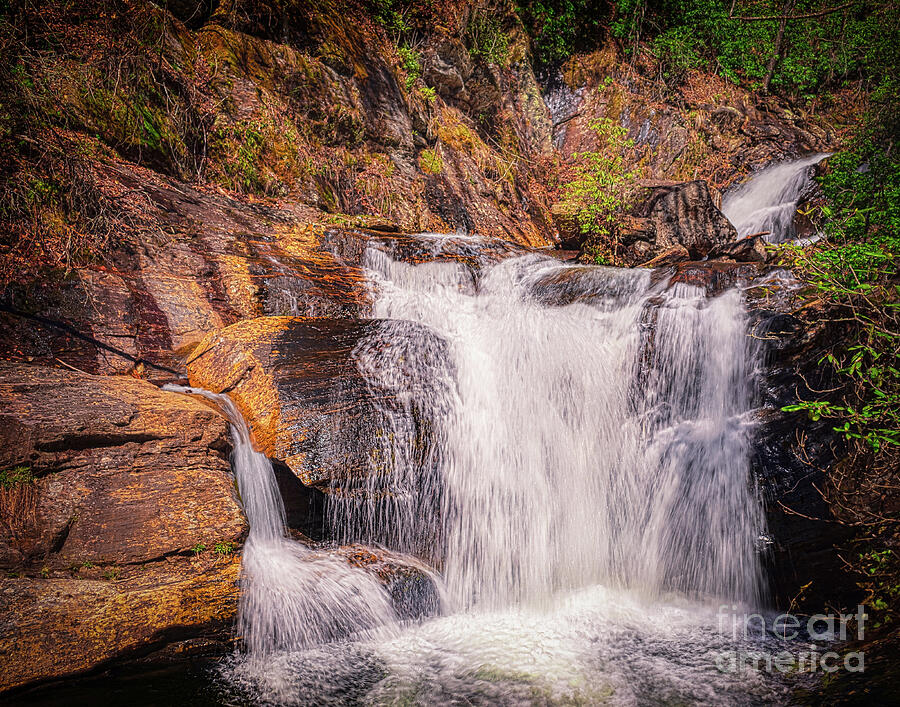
(778,50)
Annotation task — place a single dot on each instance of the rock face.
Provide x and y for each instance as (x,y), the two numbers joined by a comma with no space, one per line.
(298,383)
(332,131)
(670,256)
(115,496)
(678,215)
(53,628)
(686,134)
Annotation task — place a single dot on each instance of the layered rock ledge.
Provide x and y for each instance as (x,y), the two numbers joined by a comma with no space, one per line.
(119,522)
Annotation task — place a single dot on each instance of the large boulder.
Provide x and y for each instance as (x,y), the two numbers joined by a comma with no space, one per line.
(683,215)
(118,521)
(300,385)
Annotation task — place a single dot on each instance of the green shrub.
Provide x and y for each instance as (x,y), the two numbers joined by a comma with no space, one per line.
(223,549)
(391,15)
(600,189)
(411,61)
(428,94)
(16,476)
(676,50)
(430,162)
(487,40)
(558,28)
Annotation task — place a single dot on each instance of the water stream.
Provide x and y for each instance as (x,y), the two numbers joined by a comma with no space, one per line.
(768,200)
(600,441)
(585,494)
(291,596)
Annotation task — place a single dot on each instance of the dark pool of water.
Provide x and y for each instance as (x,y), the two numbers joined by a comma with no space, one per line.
(189,683)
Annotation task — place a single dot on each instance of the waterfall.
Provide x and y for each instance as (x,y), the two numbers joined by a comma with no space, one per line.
(570,451)
(291,596)
(768,200)
(589,427)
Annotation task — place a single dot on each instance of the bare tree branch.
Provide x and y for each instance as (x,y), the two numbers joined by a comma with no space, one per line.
(788,18)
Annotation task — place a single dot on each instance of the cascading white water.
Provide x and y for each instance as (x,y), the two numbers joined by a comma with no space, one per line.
(291,596)
(604,441)
(571,450)
(768,200)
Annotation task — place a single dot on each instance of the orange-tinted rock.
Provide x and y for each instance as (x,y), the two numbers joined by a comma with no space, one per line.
(51,628)
(227,261)
(115,495)
(298,383)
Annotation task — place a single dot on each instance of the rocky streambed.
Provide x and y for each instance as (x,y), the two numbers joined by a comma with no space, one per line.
(126,537)
(122,526)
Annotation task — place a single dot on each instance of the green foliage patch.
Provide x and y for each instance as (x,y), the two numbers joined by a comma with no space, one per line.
(16,476)
(558,28)
(600,189)
(430,162)
(411,61)
(223,549)
(487,39)
(827,44)
(854,267)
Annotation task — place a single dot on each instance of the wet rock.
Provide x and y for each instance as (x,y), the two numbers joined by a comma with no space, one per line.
(298,383)
(121,492)
(685,215)
(670,256)
(716,276)
(226,260)
(810,201)
(751,249)
(412,585)
(588,284)
(792,453)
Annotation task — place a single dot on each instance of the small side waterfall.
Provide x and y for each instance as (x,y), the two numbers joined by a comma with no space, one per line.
(291,596)
(768,200)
